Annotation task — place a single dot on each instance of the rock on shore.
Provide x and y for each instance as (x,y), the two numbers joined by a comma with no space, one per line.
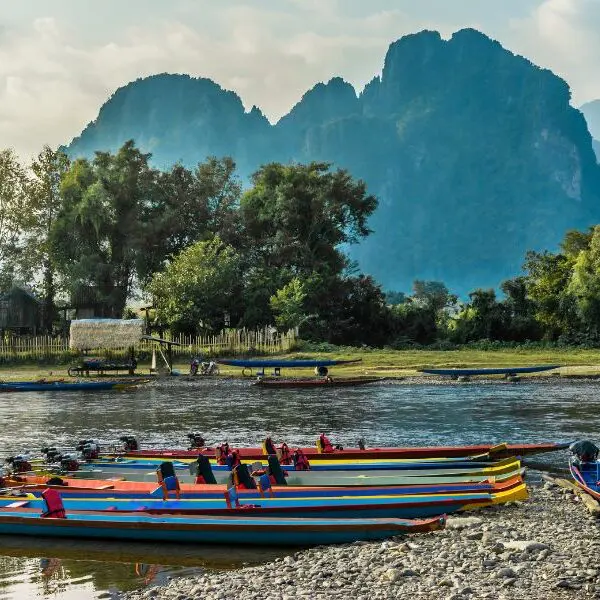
(547,548)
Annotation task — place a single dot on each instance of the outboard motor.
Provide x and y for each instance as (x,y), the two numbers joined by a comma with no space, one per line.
(196,441)
(194,365)
(584,451)
(130,443)
(90,451)
(69,462)
(19,464)
(361,444)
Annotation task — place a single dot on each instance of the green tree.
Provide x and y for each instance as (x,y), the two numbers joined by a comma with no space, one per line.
(102,235)
(287,305)
(198,287)
(44,203)
(585,284)
(297,216)
(13,202)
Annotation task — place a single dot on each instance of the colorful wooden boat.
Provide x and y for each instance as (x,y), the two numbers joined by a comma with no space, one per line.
(496,450)
(66,386)
(587,477)
(322,382)
(400,506)
(507,371)
(208,530)
(76,488)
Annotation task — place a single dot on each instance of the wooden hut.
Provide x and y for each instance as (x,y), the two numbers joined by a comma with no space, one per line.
(20,311)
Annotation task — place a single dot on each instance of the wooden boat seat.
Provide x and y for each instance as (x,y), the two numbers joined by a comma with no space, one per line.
(20,504)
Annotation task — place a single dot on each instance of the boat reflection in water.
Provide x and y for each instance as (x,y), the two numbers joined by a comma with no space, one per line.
(33,569)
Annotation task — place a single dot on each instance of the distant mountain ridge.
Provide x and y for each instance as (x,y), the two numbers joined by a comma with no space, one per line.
(591,111)
(475,154)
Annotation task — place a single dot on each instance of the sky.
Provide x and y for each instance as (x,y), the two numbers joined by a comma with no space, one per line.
(60,60)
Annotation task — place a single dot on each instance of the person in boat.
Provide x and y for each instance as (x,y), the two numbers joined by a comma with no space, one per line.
(324,445)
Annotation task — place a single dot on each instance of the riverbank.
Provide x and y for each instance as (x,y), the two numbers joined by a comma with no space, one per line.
(543,549)
(574,363)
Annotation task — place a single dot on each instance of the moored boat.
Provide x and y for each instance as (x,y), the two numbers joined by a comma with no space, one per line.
(67,386)
(496,450)
(322,382)
(208,530)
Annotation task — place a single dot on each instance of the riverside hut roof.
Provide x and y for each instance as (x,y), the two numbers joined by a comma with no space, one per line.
(87,334)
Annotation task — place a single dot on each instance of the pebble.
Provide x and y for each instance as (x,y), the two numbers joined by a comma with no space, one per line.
(543,549)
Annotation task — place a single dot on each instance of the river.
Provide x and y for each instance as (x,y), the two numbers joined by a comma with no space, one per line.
(162,413)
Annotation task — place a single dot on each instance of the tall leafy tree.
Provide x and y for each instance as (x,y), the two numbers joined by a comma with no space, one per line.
(13,201)
(44,203)
(198,287)
(101,230)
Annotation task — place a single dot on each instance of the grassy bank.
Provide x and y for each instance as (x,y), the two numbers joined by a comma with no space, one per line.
(394,363)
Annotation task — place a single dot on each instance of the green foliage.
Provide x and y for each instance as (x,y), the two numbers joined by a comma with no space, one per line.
(198,287)
(288,305)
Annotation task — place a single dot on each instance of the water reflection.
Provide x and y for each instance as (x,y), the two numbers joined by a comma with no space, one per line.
(163,413)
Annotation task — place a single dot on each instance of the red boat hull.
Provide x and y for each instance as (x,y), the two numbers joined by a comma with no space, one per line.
(502,451)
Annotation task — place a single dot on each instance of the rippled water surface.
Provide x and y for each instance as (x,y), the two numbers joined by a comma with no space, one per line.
(161,415)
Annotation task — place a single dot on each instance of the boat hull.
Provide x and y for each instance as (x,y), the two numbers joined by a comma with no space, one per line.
(507,450)
(315,383)
(222,530)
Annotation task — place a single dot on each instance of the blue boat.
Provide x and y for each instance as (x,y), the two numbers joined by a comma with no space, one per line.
(507,371)
(65,386)
(207,530)
(282,363)
(359,507)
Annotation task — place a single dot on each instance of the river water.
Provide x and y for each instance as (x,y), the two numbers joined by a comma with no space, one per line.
(163,412)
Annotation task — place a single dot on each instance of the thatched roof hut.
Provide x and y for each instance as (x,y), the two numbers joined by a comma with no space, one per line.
(110,334)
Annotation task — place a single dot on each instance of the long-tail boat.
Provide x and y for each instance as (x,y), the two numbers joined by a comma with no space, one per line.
(208,530)
(67,386)
(313,454)
(401,506)
(312,383)
(99,488)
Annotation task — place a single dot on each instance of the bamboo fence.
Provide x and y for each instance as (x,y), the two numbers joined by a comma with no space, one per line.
(231,342)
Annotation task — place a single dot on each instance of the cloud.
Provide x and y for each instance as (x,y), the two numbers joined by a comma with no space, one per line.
(57,66)
(563,35)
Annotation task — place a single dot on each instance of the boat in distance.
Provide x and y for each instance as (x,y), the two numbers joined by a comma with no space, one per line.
(490,371)
(209,530)
(323,382)
(67,386)
(312,454)
(283,363)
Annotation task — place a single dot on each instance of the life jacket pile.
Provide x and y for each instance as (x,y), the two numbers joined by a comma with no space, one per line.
(300,461)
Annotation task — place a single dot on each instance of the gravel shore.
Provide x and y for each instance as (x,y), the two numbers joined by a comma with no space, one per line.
(546,548)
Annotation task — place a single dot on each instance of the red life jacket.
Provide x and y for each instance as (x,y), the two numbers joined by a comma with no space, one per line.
(221,453)
(326,445)
(300,461)
(54,505)
(286,455)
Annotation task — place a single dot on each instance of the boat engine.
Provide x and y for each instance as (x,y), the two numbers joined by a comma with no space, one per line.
(90,450)
(196,441)
(69,462)
(129,443)
(19,464)
(361,444)
(585,451)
